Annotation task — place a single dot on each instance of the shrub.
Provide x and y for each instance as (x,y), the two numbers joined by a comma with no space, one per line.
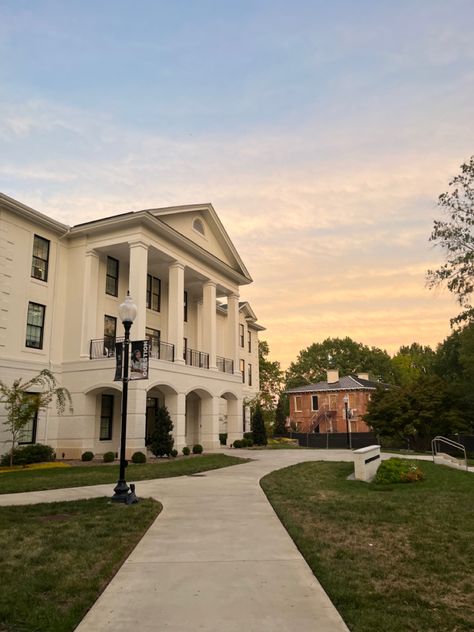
(247,443)
(87,456)
(174,453)
(197,449)
(223,438)
(248,436)
(186,451)
(161,440)
(34,453)
(398,471)
(109,457)
(138,457)
(258,427)
(238,443)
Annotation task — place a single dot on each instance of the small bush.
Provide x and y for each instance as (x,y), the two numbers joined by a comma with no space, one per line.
(248,436)
(174,453)
(87,456)
(247,443)
(34,453)
(109,457)
(186,451)
(238,443)
(138,457)
(223,438)
(398,471)
(197,449)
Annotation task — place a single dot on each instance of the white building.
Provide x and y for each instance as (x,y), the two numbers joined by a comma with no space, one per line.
(60,291)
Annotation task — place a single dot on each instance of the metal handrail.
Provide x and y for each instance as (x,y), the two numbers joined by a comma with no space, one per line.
(200,359)
(453,444)
(225,365)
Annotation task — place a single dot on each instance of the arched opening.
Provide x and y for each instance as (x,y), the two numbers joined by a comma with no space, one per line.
(230,417)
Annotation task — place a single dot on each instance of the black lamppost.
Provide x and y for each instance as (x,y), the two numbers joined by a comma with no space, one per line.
(127,313)
(346,410)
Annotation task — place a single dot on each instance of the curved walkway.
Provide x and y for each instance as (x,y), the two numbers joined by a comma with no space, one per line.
(217,559)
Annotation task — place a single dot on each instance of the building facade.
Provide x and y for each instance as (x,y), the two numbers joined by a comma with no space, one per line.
(61,288)
(321,407)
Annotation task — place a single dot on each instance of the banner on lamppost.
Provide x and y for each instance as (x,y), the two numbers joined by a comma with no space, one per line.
(118,361)
(140,357)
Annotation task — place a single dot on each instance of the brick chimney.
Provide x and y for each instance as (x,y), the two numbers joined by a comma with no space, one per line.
(333,376)
(363,376)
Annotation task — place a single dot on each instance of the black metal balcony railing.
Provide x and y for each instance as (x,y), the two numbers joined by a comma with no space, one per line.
(196,358)
(105,348)
(225,365)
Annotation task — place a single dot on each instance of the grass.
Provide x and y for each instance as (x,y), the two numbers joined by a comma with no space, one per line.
(56,559)
(392,558)
(35,480)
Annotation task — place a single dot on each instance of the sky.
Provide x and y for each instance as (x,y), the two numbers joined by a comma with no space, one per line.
(321,132)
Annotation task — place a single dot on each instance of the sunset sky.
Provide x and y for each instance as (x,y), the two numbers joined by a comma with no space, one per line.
(322,133)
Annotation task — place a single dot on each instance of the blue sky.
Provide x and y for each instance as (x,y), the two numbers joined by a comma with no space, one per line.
(321,132)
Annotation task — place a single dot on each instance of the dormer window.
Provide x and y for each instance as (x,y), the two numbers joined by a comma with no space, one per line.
(198,226)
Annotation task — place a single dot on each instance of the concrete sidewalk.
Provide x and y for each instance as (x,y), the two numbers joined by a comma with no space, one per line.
(217,559)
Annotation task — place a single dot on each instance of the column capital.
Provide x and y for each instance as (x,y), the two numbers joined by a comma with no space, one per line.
(210,283)
(176,265)
(138,243)
(90,252)
(233,295)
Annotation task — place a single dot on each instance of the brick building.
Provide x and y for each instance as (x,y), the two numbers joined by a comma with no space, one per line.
(321,407)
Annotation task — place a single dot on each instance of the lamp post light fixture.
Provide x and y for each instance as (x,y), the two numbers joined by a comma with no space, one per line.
(127,314)
(346,410)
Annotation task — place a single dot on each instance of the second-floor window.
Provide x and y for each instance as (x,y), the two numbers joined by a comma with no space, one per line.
(250,374)
(153,293)
(35,326)
(185,305)
(314,402)
(153,335)
(250,340)
(111,282)
(110,332)
(298,404)
(185,348)
(241,336)
(242,370)
(40,261)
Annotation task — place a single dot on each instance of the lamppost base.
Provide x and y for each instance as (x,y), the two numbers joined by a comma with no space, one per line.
(124,494)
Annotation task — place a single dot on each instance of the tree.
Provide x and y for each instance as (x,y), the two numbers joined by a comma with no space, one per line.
(455,235)
(411,362)
(258,426)
(342,353)
(24,398)
(161,439)
(271,377)
(280,417)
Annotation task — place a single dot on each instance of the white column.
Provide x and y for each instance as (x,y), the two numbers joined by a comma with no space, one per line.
(209,322)
(137,286)
(209,430)
(176,404)
(233,329)
(176,309)
(89,301)
(234,420)
(136,417)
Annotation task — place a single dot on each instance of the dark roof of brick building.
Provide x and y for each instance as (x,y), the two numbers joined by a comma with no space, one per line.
(347,383)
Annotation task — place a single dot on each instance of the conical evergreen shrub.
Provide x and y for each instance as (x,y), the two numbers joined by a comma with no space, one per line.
(162,441)
(258,427)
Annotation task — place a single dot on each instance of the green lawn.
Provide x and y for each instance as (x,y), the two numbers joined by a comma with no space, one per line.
(34,480)
(56,559)
(392,559)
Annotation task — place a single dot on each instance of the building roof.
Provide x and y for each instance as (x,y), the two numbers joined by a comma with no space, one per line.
(347,383)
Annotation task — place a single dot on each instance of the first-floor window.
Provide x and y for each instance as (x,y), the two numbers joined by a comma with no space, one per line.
(250,375)
(106,417)
(242,370)
(298,406)
(314,402)
(28,433)
(35,326)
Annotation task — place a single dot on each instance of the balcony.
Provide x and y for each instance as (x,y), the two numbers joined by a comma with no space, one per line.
(105,348)
(225,365)
(196,358)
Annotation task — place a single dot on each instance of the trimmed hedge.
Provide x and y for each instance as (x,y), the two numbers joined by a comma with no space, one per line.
(197,449)
(32,453)
(138,457)
(87,456)
(186,451)
(109,457)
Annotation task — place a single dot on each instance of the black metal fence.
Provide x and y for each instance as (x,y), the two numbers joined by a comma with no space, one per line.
(225,365)
(333,439)
(105,348)
(197,358)
(162,351)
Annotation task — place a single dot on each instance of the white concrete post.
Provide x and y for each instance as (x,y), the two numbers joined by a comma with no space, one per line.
(210,423)
(233,329)
(366,462)
(209,322)
(176,404)
(89,301)
(234,420)
(137,286)
(176,310)
(136,417)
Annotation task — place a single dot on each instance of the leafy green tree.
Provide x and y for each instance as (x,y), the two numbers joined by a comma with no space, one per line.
(342,353)
(279,427)
(455,235)
(161,439)
(271,377)
(24,398)
(411,362)
(258,426)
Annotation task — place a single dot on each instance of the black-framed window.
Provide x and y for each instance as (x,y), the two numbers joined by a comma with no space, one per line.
(250,340)
(106,417)
(110,333)
(153,335)
(185,305)
(35,325)
(185,348)
(314,402)
(153,293)
(242,336)
(242,370)
(111,282)
(250,374)
(40,260)
(28,432)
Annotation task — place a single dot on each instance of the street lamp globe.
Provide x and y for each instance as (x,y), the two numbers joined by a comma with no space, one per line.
(127,310)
